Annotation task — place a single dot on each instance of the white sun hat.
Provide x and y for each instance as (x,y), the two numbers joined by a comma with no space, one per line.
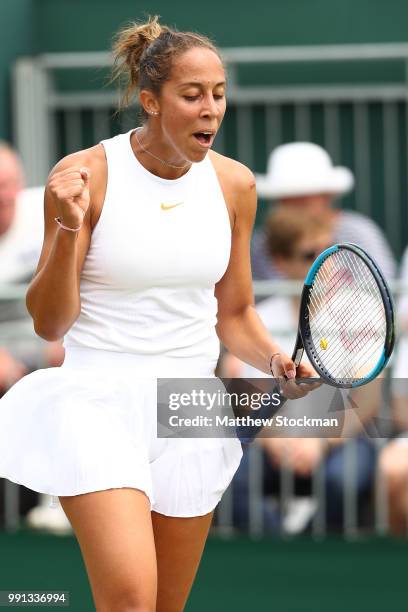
(300,169)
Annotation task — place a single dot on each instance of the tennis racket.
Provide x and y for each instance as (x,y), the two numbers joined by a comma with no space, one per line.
(346,322)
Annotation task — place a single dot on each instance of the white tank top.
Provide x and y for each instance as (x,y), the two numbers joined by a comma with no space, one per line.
(147,285)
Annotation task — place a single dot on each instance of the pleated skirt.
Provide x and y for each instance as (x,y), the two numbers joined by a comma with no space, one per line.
(91,425)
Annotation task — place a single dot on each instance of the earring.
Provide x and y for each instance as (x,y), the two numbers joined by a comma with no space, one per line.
(154,112)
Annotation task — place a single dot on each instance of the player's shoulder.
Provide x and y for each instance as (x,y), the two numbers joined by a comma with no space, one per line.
(238,186)
(236,174)
(92,158)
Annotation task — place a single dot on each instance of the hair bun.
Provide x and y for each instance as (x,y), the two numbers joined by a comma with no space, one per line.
(147,32)
(128,48)
(139,68)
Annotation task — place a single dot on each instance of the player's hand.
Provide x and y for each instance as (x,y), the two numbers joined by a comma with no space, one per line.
(284,370)
(70,191)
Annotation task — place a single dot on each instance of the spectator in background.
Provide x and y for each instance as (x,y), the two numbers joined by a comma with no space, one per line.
(393,460)
(20,244)
(21,220)
(294,241)
(301,175)
(15,247)
(21,235)
(21,351)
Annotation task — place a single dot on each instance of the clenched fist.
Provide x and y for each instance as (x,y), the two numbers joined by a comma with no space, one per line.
(70,190)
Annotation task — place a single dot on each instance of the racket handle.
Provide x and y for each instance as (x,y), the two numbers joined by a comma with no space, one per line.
(309,380)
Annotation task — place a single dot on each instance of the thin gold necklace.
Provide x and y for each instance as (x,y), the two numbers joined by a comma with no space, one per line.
(158,158)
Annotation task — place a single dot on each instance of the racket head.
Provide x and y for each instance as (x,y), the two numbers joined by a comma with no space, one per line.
(346,318)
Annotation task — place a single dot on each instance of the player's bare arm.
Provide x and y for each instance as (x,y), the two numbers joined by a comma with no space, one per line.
(74,193)
(239,327)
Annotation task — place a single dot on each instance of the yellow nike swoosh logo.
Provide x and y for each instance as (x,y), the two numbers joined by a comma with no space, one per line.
(169,206)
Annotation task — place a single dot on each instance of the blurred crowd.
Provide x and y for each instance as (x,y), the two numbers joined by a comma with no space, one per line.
(21,350)
(303,189)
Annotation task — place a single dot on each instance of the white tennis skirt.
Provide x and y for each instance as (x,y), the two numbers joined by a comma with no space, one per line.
(91,425)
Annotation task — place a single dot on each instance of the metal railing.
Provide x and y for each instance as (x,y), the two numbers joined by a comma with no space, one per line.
(362,125)
(224,522)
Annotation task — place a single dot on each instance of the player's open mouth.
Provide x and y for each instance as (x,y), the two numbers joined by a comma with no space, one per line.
(204,138)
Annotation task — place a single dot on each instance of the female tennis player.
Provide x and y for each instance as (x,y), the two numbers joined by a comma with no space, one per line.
(145,267)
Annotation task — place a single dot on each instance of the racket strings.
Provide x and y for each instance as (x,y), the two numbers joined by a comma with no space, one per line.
(342,361)
(371,334)
(350,340)
(346,316)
